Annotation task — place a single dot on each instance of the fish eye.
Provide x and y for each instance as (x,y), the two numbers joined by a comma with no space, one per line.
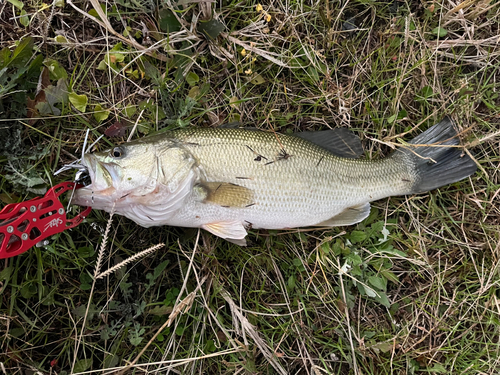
(117,152)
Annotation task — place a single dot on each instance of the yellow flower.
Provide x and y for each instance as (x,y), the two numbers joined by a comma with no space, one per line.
(243,52)
(259,8)
(249,71)
(268,17)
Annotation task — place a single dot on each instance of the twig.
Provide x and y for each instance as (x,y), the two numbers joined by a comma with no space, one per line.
(247,327)
(348,321)
(257,51)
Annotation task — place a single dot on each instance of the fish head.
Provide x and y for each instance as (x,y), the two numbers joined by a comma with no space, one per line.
(129,169)
(144,172)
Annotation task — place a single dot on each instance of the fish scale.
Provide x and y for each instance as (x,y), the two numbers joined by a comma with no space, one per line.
(288,191)
(226,180)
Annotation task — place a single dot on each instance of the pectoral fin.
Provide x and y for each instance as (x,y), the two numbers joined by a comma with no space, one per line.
(225,194)
(232,231)
(349,216)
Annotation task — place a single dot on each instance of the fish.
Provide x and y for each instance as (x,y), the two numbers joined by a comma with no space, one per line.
(228,180)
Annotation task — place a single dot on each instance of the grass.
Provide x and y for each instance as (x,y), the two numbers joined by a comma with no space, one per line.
(411,290)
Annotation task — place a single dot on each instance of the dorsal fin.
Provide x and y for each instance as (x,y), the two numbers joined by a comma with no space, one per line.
(231,125)
(340,141)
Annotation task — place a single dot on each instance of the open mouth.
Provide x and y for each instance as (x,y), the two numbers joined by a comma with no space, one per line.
(96,175)
(97,180)
(90,164)
(82,177)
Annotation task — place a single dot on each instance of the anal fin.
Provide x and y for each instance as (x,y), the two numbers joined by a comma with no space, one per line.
(232,231)
(349,216)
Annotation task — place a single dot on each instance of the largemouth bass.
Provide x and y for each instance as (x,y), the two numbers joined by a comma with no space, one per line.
(228,180)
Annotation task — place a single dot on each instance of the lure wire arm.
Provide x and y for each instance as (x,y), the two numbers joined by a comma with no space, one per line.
(23,225)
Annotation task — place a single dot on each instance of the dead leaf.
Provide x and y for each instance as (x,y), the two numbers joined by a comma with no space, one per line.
(118,129)
(7,199)
(43,83)
(53,95)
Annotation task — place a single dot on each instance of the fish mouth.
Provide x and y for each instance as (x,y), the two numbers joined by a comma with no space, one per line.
(90,164)
(97,179)
(100,174)
(82,177)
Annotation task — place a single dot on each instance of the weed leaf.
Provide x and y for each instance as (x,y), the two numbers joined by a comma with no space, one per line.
(18,4)
(79,101)
(99,114)
(211,29)
(82,365)
(192,78)
(168,22)
(440,32)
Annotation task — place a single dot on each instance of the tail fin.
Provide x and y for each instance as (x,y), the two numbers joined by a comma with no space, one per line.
(438,166)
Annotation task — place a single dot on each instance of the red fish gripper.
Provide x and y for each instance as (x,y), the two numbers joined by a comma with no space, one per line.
(23,225)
